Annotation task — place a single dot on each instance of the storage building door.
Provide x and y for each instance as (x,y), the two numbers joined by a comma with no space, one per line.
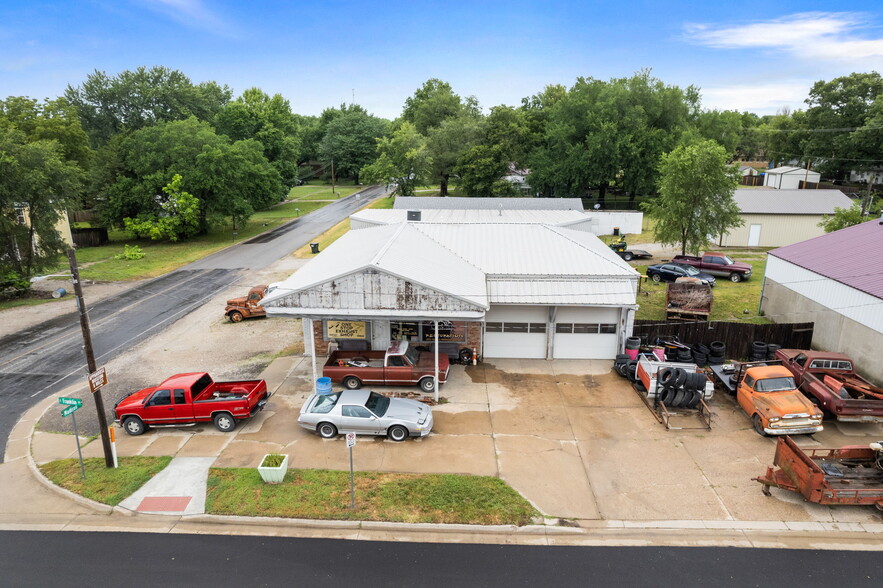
(586,333)
(516,332)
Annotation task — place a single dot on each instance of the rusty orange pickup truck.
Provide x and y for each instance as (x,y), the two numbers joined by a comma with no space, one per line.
(769,395)
(246,306)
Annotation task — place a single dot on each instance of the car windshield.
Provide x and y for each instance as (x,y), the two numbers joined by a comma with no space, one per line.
(775,384)
(727,260)
(377,404)
(412,355)
(324,403)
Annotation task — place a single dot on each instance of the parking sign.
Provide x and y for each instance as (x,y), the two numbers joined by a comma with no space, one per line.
(350,439)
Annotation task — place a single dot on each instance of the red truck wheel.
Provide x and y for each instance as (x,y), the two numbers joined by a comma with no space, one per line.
(224,422)
(427,384)
(734,277)
(134,426)
(352,383)
(235,316)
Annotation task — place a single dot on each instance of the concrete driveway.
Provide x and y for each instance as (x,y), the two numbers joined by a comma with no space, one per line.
(570,436)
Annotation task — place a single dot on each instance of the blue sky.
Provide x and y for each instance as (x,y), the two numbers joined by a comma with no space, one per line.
(756,56)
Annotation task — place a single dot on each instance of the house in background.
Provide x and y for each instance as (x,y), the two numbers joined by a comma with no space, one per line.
(789,178)
(518,178)
(63,226)
(774,218)
(835,281)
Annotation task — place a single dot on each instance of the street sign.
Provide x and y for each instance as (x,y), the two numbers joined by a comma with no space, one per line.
(97,379)
(70,401)
(350,439)
(70,409)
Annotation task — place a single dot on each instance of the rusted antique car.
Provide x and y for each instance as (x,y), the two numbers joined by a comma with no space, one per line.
(246,306)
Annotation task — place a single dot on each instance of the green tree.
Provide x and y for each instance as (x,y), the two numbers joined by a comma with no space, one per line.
(447,143)
(178,217)
(847,217)
(481,170)
(432,103)
(36,184)
(843,103)
(351,141)
(132,100)
(51,120)
(229,179)
(403,161)
(269,120)
(695,199)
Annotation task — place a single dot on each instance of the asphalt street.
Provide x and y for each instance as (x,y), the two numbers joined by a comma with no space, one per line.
(44,359)
(46,558)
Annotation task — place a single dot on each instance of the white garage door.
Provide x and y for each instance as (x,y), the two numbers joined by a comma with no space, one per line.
(586,333)
(516,331)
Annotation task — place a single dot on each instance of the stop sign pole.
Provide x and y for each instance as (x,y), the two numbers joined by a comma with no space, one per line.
(90,356)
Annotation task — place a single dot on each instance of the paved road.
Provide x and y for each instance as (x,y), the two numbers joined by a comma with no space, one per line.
(48,357)
(45,558)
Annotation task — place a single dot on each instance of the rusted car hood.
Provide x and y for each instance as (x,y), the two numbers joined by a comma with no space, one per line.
(783,403)
(237,301)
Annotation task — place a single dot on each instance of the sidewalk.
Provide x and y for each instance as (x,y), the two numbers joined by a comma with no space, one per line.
(174,500)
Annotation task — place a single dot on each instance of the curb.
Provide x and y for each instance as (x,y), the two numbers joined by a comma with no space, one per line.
(102,508)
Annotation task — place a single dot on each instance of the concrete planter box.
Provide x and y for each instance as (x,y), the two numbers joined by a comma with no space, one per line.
(273,475)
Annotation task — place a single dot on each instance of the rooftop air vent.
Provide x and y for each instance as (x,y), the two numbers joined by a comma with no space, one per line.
(413,215)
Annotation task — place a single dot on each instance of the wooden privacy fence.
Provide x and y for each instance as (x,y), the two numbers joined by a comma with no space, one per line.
(89,237)
(736,336)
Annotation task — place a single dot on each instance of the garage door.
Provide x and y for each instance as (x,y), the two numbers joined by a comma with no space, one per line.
(586,333)
(516,332)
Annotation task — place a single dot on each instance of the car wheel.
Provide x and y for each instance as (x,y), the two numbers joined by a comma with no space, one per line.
(734,277)
(327,430)
(628,256)
(235,316)
(352,383)
(427,384)
(224,422)
(465,355)
(656,278)
(397,433)
(134,426)
(758,426)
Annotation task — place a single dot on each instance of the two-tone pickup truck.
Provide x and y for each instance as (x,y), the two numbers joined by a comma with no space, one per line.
(717,264)
(399,365)
(769,396)
(188,399)
(829,380)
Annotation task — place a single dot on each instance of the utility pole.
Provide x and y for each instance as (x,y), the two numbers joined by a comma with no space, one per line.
(90,356)
(868,200)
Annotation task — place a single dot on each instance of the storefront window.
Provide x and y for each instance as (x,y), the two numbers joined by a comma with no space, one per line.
(425,331)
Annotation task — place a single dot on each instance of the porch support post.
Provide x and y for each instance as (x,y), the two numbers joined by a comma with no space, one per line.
(435,374)
(313,355)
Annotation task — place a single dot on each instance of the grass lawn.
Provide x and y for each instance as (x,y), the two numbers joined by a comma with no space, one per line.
(325,494)
(103,484)
(28,301)
(321,192)
(730,300)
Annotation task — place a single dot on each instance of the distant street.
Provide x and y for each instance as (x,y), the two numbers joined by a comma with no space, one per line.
(38,558)
(42,360)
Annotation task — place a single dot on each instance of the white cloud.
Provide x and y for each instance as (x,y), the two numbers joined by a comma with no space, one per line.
(191,13)
(760,98)
(829,36)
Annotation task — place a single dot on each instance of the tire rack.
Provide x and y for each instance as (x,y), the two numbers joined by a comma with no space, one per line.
(663,414)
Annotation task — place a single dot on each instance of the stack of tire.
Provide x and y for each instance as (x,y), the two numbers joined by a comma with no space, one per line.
(700,354)
(759,350)
(626,366)
(678,388)
(684,355)
(771,349)
(717,352)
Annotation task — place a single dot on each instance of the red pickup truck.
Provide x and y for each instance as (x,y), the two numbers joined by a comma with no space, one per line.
(717,264)
(187,399)
(400,365)
(829,380)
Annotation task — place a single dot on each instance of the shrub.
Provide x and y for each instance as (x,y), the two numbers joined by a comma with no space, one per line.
(130,253)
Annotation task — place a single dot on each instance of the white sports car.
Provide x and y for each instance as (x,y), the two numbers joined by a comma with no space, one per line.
(365,413)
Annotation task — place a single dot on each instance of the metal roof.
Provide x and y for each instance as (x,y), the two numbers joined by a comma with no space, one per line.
(449,216)
(790,201)
(604,292)
(850,256)
(399,250)
(503,249)
(449,202)
(788,169)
